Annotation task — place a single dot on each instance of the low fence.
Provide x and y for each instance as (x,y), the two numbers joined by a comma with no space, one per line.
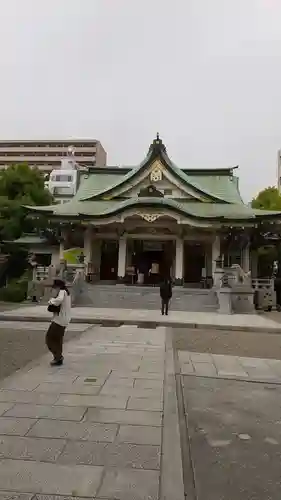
(264,294)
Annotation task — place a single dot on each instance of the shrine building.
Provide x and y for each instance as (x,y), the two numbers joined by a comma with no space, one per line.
(138,224)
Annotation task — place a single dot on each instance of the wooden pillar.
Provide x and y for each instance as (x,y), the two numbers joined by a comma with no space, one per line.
(245,258)
(216,250)
(179,261)
(88,245)
(122,253)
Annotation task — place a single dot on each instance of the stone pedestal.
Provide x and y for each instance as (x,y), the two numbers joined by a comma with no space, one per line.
(225,300)
(217,277)
(242,299)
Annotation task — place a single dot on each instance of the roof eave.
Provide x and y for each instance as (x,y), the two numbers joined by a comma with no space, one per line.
(210,171)
(38,209)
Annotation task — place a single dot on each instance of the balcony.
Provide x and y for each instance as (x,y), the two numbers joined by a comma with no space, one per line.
(22,150)
(7,160)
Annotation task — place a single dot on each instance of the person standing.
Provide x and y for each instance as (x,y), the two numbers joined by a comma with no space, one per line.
(61,308)
(166,295)
(277,288)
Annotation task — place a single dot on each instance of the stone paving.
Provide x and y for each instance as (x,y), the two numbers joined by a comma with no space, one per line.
(103,425)
(235,367)
(233,437)
(21,342)
(91,428)
(42,326)
(212,320)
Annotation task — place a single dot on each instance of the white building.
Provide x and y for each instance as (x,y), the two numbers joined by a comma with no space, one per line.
(63,182)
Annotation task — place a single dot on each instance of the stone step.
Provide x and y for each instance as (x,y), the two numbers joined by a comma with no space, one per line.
(135,297)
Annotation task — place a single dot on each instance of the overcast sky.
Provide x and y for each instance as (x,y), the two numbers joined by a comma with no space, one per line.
(206,74)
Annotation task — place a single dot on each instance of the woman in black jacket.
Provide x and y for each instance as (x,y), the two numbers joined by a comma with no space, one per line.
(166,295)
(277,288)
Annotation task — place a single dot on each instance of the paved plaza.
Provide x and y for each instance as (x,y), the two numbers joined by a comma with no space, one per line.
(222,366)
(234,439)
(92,428)
(127,417)
(21,342)
(231,434)
(212,320)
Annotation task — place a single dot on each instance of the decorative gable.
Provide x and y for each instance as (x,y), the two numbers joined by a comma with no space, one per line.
(156,169)
(156,173)
(150,191)
(157,177)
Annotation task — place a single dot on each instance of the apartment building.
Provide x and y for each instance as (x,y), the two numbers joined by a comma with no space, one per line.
(47,154)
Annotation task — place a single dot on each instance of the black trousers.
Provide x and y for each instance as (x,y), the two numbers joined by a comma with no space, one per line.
(278,296)
(54,340)
(165,306)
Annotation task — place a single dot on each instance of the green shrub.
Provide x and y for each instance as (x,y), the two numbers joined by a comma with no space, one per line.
(15,291)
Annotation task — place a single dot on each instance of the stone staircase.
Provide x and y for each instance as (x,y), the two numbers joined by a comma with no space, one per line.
(142,297)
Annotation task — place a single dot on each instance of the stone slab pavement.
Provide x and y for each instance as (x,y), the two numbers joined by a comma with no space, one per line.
(40,326)
(231,435)
(212,320)
(93,428)
(234,438)
(233,367)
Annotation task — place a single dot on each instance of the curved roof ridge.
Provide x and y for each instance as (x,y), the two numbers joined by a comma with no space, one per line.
(150,157)
(238,188)
(199,186)
(123,179)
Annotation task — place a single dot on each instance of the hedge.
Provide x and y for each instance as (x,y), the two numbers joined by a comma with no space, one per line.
(15,291)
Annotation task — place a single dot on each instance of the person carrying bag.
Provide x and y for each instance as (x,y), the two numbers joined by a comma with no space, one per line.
(60,307)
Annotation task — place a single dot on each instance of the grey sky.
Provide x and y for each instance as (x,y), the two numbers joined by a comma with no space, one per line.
(206,74)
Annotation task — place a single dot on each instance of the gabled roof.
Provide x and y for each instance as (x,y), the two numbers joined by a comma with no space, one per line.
(208,185)
(222,186)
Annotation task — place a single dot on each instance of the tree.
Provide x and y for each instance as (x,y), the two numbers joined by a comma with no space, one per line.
(20,185)
(268,199)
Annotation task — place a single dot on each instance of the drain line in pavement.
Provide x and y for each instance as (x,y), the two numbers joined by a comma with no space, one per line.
(187,462)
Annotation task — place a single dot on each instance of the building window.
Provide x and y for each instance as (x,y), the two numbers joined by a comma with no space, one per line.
(168,192)
(62,178)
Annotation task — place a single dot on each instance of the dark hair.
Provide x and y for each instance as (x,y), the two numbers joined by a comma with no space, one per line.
(58,283)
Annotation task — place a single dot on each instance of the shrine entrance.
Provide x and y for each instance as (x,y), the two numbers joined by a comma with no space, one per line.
(109,260)
(152,260)
(194,262)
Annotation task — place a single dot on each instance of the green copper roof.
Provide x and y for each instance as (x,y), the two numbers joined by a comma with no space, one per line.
(222,187)
(92,184)
(101,209)
(217,188)
(30,240)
